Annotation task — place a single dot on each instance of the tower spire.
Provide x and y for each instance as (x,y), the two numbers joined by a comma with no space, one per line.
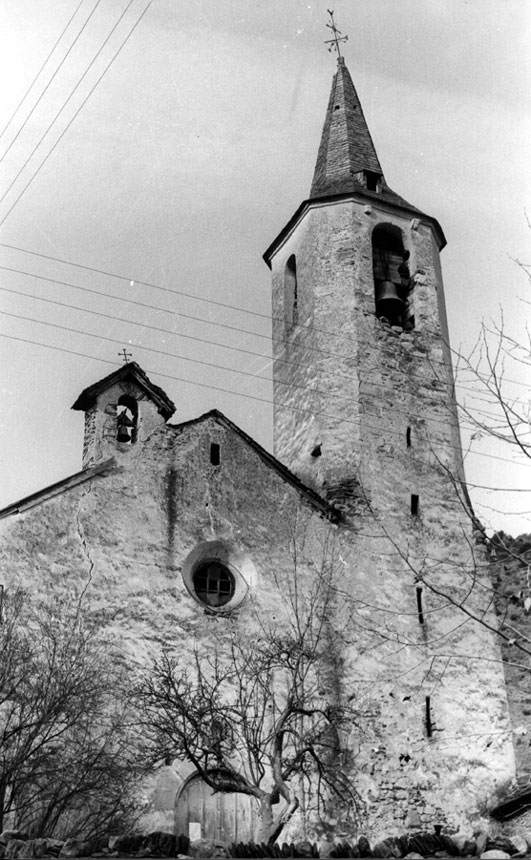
(347,159)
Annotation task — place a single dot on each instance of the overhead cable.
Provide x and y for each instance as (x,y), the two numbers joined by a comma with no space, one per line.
(83,103)
(24,97)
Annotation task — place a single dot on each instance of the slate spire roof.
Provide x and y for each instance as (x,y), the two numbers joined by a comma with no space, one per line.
(346,146)
(347,153)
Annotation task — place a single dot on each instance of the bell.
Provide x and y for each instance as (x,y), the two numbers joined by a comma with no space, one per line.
(124,434)
(124,428)
(388,302)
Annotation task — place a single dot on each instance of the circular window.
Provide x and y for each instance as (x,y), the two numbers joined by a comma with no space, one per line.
(213,583)
(218,575)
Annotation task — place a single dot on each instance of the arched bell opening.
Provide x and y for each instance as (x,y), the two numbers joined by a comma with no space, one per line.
(127,420)
(392,279)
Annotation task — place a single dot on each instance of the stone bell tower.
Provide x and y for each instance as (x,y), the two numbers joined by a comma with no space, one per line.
(362,366)
(365,413)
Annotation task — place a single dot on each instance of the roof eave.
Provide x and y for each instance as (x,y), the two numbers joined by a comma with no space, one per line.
(57,488)
(363,195)
(89,395)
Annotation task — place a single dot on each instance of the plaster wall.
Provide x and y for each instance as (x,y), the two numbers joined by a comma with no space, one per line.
(122,540)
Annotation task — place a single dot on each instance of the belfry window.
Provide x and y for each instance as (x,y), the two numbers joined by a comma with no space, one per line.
(127,420)
(291,296)
(392,280)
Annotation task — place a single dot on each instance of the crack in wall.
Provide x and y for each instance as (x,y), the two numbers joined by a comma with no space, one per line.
(84,545)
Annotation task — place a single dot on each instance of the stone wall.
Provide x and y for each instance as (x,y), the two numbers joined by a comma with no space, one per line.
(511,560)
(435,742)
(121,542)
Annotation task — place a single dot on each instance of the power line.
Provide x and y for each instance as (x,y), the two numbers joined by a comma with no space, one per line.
(174,313)
(131,280)
(169,331)
(143,325)
(159,373)
(168,354)
(229,391)
(182,357)
(142,304)
(45,90)
(83,103)
(214,302)
(21,102)
(216,366)
(35,148)
(164,310)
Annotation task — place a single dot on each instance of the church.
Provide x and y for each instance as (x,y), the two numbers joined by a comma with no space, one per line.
(186,532)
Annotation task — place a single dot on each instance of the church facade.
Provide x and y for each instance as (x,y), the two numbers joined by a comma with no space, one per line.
(180,533)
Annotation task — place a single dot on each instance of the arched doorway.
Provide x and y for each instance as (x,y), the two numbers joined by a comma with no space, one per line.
(202,813)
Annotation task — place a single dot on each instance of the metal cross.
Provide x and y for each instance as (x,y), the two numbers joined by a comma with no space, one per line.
(334,43)
(125,355)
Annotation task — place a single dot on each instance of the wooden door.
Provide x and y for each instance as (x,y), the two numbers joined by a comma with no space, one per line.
(201,813)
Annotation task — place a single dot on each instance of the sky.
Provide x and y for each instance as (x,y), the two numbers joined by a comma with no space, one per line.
(189,140)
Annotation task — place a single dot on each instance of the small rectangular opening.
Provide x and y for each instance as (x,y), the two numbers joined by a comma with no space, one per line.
(414,505)
(429,724)
(1,603)
(408,437)
(214,454)
(419,605)
(372,180)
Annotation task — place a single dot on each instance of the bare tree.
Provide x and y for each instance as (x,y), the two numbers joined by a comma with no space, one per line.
(493,411)
(260,717)
(67,762)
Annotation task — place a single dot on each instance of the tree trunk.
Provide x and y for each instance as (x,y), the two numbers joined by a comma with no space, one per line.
(266,820)
(270,826)
(2,801)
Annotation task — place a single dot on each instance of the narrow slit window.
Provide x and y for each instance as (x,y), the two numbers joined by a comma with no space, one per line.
(408,437)
(1,603)
(429,724)
(420,610)
(414,505)
(291,293)
(215,454)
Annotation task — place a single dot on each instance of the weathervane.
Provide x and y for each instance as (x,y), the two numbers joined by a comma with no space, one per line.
(334,43)
(125,355)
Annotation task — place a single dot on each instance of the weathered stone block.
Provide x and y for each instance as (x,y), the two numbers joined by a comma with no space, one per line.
(207,848)
(15,848)
(494,854)
(75,848)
